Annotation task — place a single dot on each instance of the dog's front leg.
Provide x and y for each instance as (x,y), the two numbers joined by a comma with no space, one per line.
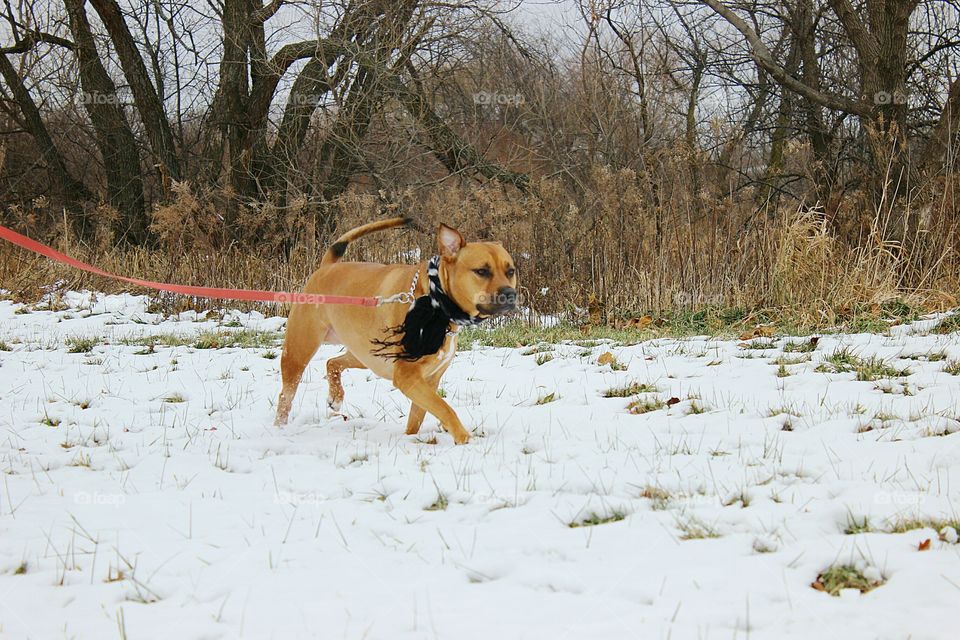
(417,413)
(422,391)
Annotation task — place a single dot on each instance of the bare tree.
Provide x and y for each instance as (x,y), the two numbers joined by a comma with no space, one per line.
(115,139)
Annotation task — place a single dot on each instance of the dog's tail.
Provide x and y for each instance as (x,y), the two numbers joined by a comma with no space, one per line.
(338,248)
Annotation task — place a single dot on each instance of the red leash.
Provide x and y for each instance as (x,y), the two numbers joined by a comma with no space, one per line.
(200,292)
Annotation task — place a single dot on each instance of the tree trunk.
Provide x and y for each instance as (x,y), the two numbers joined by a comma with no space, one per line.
(229,109)
(115,140)
(145,96)
(884,83)
(310,86)
(806,41)
(690,134)
(71,190)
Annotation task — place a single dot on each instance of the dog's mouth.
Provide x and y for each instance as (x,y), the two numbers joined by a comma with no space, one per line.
(499,303)
(493,310)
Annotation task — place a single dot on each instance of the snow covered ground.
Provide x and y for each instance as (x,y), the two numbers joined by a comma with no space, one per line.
(144,492)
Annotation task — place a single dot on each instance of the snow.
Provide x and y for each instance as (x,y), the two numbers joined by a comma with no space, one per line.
(121,507)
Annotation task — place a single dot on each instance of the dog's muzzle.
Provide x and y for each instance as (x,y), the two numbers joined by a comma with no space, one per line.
(503,301)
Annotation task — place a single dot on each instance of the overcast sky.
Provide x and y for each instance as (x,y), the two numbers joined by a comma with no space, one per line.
(548,15)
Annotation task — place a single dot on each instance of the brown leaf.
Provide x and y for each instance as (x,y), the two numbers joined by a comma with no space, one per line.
(814,340)
(606,358)
(642,322)
(924,546)
(758,332)
(818,585)
(673,401)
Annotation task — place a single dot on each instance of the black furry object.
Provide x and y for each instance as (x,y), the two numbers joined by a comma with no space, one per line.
(425,326)
(422,333)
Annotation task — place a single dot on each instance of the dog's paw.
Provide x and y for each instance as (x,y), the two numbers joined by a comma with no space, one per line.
(461,438)
(333,411)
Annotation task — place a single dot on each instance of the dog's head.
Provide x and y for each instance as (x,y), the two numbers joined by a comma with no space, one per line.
(480,276)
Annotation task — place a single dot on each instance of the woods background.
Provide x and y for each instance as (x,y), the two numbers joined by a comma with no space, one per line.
(796,155)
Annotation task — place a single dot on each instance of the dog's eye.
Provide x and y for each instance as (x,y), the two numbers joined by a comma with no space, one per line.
(510,272)
(483,272)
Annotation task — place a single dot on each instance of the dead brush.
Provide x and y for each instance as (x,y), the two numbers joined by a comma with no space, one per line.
(633,244)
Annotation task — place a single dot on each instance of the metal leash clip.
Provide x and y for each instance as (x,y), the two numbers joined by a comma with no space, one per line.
(406,297)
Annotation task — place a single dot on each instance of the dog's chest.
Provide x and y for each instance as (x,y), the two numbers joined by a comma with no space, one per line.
(445,355)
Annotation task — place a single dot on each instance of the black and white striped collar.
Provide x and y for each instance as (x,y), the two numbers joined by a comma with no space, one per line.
(441,301)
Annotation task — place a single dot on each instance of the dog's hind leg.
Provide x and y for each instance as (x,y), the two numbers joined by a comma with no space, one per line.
(304,336)
(335,367)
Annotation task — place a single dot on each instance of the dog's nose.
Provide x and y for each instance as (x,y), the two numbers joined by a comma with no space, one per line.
(507,297)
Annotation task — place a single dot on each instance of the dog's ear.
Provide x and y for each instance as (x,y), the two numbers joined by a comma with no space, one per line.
(449,241)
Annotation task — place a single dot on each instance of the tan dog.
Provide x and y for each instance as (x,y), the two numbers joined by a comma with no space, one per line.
(479,277)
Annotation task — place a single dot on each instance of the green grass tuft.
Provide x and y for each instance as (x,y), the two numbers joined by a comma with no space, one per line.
(50,421)
(839,577)
(902,525)
(80,344)
(807,346)
(631,389)
(440,504)
(645,405)
(759,345)
(537,348)
(950,324)
(245,338)
(866,369)
(696,529)
(547,399)
(855,526)
(952,367)
(594,519)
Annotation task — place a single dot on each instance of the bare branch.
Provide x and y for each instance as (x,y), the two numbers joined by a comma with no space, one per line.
(765,59)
